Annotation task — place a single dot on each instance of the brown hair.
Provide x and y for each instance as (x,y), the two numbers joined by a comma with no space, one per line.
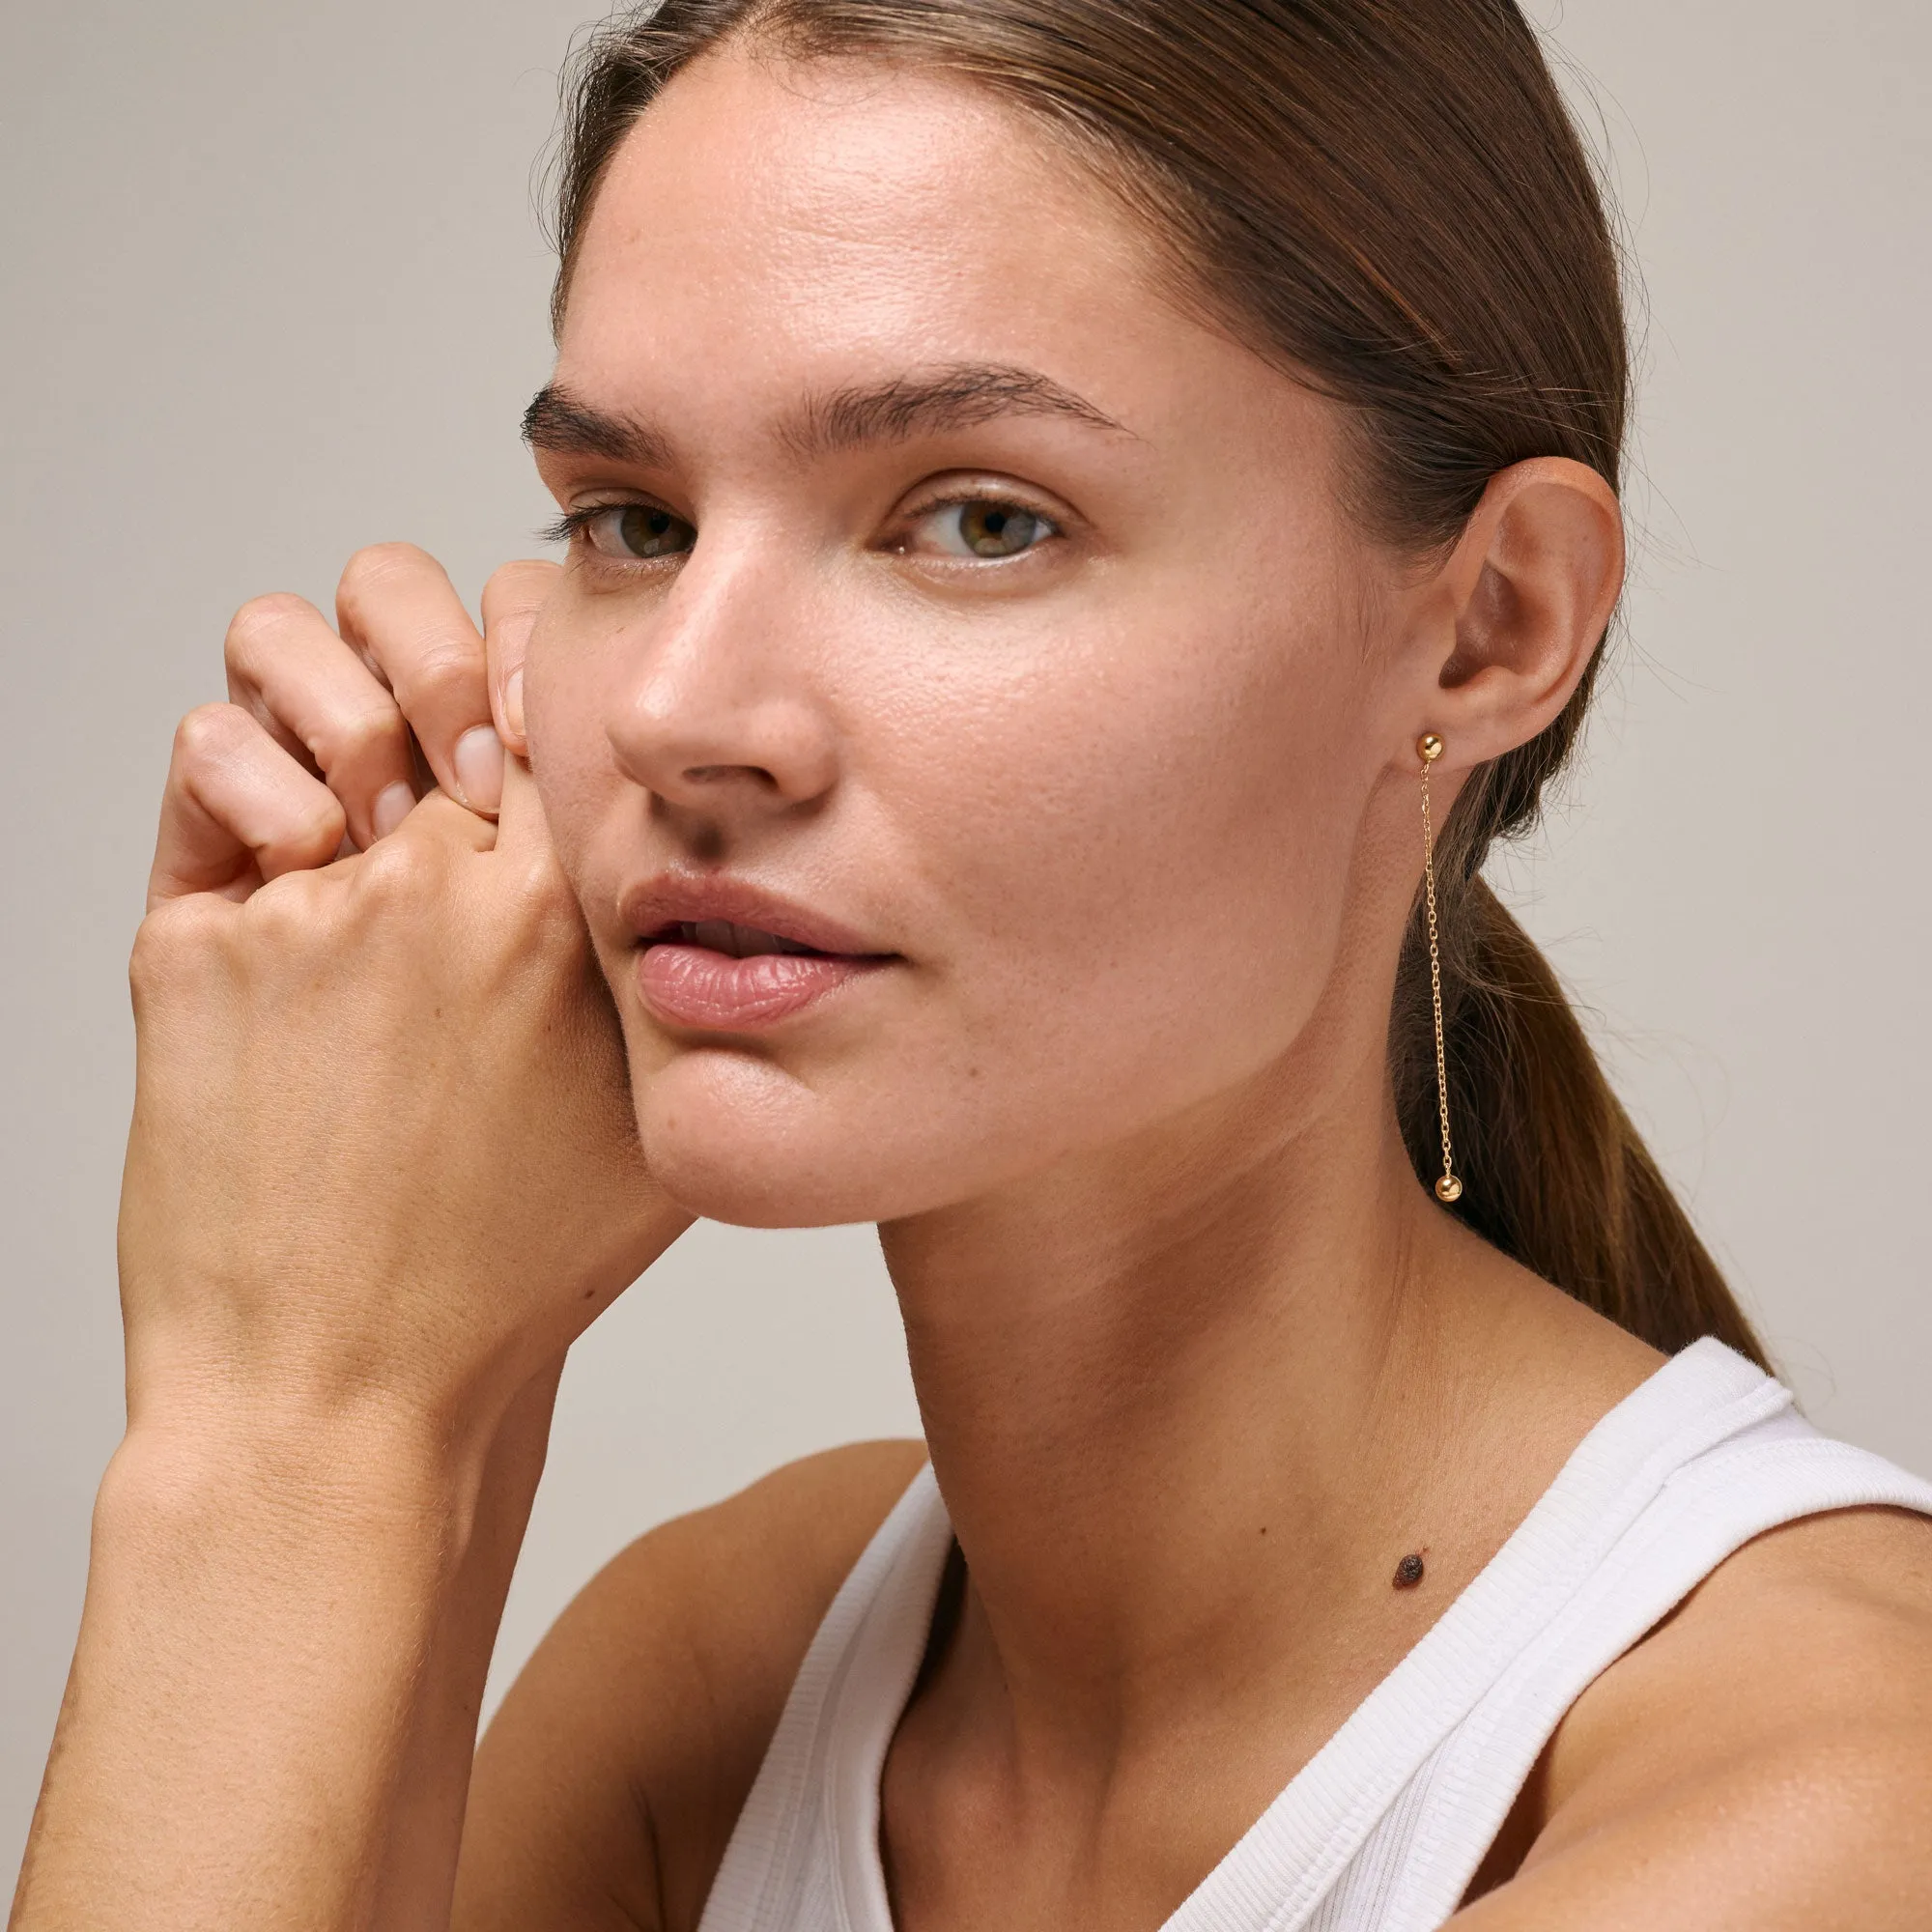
(1388,198)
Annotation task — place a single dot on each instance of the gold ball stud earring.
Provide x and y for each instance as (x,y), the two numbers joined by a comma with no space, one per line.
(1448,1188)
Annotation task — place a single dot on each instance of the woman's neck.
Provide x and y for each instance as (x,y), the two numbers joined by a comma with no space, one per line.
(1190,1403)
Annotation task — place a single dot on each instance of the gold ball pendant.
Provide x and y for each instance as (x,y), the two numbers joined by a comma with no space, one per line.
(1448,1188)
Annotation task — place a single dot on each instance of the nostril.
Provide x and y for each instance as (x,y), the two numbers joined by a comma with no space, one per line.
(704,775)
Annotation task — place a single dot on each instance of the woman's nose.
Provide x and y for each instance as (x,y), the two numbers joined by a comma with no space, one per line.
(717,712)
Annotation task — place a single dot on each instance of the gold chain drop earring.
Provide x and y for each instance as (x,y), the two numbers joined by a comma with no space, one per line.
(1448,1188)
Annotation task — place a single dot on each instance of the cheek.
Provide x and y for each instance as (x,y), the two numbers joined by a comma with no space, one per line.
(1143,847)
(598,824)
(560,729)
(595,818)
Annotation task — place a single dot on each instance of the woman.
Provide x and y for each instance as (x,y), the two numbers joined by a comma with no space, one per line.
(1066,500)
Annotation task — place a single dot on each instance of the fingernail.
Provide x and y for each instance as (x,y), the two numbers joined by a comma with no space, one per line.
(513,701)
(479,768)
(393,803)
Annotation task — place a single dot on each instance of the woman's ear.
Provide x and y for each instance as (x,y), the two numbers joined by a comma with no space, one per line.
(1512,619)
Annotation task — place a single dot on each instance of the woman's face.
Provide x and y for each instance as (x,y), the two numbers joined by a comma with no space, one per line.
(944,601)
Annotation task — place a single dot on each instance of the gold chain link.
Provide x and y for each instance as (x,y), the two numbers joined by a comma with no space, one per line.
(1449,1187)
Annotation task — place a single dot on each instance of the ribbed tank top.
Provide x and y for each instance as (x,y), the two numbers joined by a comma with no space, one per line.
(1384,1827)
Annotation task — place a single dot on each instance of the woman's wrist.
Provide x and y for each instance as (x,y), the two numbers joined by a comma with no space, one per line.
(263,1482)
(307,1434)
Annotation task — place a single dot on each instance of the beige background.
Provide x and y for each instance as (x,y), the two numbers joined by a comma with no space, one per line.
(274,290)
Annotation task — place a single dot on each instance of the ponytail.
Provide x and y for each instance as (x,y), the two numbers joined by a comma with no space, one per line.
(1555,1174)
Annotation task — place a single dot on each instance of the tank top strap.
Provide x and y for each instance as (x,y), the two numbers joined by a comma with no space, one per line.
(807,1842)
(1296,1851)
(1435,1834)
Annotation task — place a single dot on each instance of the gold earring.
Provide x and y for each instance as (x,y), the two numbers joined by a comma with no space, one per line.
(1449,1188)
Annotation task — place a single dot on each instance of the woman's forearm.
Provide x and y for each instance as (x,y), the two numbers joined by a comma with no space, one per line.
(273,1698)
(419,1871)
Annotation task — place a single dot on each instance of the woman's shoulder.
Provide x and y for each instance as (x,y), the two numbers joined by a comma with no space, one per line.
(1765,1753)
(606,1790)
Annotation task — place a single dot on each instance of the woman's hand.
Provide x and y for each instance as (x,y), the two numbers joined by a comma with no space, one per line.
(384,1157)
(384,1146)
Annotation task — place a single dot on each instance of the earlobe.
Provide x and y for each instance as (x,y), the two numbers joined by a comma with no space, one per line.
(1534,582)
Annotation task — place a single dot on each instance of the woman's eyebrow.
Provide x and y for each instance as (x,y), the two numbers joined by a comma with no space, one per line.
(960,395)
(559,421)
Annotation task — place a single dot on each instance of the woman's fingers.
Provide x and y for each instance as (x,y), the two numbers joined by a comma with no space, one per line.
(511,601)
(398,611)
(315,697)
(238,810)
(315,713)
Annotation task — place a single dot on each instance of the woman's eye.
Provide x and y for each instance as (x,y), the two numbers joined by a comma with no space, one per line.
(637,532)
(985,527)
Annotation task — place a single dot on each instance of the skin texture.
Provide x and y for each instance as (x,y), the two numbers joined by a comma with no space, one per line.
(1134,815)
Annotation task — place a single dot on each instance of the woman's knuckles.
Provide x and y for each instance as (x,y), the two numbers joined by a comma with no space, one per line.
(542,890)
(370,576)
(260,628)
(517,592)
(395,601)
(428,937)
(347,743)
(209,738)
(399,883)
(176,947)
(441,670)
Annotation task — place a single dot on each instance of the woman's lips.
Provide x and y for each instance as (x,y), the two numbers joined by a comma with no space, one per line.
(724,956)
(688,985)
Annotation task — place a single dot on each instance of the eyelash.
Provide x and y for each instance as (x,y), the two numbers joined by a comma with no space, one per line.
(573,525)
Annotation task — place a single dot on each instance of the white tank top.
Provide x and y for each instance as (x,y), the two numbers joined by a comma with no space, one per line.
(1384,1827)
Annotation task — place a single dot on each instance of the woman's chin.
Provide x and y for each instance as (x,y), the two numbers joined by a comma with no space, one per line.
(733,1138)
